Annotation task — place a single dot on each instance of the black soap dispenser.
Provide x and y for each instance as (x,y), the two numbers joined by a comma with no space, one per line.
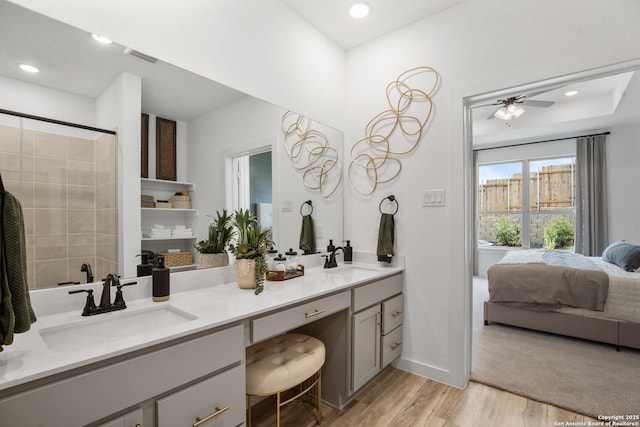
(144,268)
(160,281)
(348,252)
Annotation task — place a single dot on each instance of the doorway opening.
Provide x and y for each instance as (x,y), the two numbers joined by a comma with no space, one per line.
(252,185)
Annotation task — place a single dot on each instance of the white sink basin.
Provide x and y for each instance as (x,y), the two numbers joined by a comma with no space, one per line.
(109,327)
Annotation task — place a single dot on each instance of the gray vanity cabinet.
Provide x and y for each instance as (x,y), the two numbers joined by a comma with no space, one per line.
(376,328)
(187,370)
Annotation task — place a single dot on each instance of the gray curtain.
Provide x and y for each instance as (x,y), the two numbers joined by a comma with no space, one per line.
(591,196)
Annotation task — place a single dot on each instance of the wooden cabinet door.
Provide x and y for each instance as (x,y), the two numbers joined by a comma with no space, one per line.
(366,346)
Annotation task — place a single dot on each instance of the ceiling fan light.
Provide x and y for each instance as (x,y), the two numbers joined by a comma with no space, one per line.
(502,114)
(518,111)
(512,108)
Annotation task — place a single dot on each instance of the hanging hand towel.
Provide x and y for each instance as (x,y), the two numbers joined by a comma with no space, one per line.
(16,313)
(386,235)
(308,235)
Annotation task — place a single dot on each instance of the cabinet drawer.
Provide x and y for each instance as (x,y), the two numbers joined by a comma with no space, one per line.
(118,386)
(392,314)
(220,397)
(391,346)
(285,320)
(368,295)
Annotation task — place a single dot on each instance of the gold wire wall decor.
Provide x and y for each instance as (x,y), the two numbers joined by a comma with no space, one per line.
(309,152)
(394,132)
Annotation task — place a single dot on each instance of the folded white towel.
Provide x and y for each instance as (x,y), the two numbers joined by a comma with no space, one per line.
(179,227)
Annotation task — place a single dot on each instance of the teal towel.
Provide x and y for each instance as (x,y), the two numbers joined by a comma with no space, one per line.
(16,313)
(308,235)
(386,236)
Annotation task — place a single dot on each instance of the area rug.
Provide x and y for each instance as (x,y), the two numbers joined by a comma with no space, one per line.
(582,376)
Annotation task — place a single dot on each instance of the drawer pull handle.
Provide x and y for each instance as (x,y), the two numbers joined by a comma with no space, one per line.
(396,313)
(393,346)
(210,416)
(315,313)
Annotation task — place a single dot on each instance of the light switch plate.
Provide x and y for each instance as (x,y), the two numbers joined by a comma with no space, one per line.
(433,198)
(286,205)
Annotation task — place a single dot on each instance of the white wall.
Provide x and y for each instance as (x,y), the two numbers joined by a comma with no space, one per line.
(465,44)
(260,47)
(623,151)
(242,126)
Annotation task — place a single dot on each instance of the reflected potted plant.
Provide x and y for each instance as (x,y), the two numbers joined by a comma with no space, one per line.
(249,250)
(213,250)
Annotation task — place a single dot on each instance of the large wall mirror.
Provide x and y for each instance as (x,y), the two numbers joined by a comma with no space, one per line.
(214,124)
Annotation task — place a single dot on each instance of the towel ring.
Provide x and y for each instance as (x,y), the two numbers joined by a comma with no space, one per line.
(391,198)
(308,202)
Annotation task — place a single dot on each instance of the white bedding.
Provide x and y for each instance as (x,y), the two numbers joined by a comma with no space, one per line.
(623,300)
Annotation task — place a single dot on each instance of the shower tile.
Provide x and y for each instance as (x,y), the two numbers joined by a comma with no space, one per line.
(50,145)
(82,245)
(50,196)
(49,273)
(50,171)
(29,224)
(50,221)
(10,138)
(31,275)
(80,173)
(80,149)
(81,197)
(50,246)
(81,221)
(107,221)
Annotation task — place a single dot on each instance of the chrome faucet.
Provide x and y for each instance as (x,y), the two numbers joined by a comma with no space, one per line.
(86,268)
(331,262)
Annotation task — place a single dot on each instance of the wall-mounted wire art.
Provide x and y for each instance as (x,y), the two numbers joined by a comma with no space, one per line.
(309,151)
(393,132)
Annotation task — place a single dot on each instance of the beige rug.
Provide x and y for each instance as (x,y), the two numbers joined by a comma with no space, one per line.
(585,377)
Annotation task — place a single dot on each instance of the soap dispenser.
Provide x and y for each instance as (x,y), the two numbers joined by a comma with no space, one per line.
(330,247)
(160,281)
(348,252)
(144,268)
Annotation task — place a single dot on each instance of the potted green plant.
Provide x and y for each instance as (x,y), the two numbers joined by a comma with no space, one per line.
(249,249)
(213,250)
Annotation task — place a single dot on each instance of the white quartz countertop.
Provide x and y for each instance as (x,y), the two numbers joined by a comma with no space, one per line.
(208,306)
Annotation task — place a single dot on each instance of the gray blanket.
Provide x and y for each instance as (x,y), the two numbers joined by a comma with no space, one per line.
(562,279)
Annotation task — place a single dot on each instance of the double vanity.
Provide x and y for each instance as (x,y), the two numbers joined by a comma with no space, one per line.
(181,362)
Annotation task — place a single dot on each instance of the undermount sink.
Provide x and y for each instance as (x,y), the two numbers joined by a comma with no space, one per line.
(106,328)
(352,270)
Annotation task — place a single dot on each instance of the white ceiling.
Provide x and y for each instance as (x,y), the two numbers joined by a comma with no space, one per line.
(71,61)
(332,18)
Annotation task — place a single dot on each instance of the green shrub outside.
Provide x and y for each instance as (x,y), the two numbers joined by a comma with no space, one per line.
(507,232)
(559,234)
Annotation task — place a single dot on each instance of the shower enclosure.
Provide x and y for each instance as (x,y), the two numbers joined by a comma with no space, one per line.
(65,177)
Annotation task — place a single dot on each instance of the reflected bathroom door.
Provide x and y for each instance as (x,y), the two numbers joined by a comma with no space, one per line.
(252,188)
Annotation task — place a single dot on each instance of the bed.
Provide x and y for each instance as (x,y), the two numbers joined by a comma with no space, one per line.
(594,298)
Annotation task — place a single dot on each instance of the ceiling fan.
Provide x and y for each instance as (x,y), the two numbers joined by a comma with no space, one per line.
(510,108)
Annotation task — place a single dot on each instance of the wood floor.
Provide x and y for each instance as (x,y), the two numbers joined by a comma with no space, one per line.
(397,398)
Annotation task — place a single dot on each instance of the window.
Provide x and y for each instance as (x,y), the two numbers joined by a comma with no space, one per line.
(521,202)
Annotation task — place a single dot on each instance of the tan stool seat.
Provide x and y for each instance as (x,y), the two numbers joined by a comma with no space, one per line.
(282,363)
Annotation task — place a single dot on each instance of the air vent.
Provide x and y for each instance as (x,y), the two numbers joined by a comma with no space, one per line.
(140,55)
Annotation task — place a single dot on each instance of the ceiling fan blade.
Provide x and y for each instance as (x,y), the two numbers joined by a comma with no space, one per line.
(534,103)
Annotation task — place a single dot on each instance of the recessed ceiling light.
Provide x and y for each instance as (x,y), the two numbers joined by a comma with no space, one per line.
(571,93)
(29,68)
(101,39)
(359,10)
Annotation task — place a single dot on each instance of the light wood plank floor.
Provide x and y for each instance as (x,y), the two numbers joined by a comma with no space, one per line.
(397,398)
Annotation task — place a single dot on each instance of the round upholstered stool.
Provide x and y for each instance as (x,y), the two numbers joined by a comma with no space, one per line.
(287,363)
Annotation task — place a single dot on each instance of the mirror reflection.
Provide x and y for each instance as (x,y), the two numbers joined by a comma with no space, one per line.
(109,86)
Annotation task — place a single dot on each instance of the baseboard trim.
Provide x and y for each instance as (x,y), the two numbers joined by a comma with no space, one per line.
(431,372)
